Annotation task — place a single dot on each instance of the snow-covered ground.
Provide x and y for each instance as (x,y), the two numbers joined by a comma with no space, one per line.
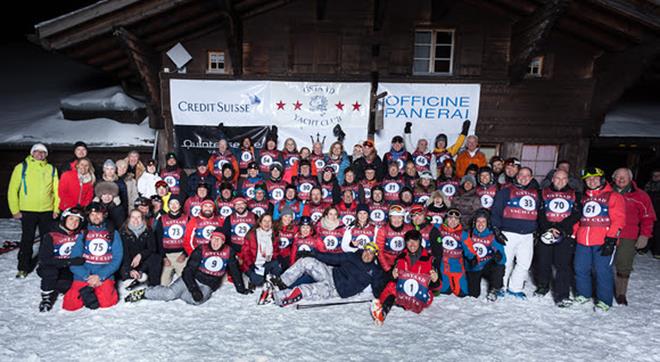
(232,327)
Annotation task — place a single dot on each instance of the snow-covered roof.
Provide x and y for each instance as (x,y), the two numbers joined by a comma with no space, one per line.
(633,119)
(35,82)
(106,99)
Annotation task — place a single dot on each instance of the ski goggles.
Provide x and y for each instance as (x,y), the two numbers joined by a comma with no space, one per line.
(591,172)
(73,211)
(397,210)
(454,213)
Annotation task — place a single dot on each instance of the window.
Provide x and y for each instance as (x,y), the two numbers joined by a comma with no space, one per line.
(535,68)
(540,158)
(216,62)
(434,52)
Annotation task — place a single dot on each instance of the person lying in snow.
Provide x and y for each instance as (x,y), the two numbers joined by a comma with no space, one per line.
(202,275)
(414,280)
(335,275)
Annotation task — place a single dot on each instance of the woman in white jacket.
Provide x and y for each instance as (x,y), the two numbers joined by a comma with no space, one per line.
(146,184)
(361,232)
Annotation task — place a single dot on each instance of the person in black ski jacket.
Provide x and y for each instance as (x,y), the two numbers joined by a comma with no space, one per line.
(203,274)
(55,257)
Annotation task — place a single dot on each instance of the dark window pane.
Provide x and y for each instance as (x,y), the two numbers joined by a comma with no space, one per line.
(421,66)
(442,66)
(423,37)
(443,37)
(422,52)
(442,51)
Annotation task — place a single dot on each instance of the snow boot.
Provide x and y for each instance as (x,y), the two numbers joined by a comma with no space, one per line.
(492,295)
(89,297)
(564,303)
(541,291)
(135,296)
(601,307)
(47,300)
(581,300)
(21,274)
(276,281)
(266,296)
(500,293)
(621,289)
(517,295)
(294,297)
(377,313)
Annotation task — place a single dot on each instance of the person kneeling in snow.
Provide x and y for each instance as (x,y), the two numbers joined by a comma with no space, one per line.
(55,257)
(485,257)
(93,282)
(202,275)
(335,275)
(415,279)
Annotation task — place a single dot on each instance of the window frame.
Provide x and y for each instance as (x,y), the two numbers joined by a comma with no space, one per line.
(541,64)
(209,54)
(432,56)
(526,162)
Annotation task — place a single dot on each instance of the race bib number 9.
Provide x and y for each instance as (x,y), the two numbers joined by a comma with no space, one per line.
(214,263)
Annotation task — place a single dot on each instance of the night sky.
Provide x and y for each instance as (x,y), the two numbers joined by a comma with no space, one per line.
(19,19)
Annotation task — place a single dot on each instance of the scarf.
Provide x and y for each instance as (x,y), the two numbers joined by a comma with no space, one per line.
(85,178)
(328,225)
(137,230)
(265,243)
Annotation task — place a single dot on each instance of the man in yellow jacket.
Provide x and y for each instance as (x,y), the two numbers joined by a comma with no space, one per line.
(32,198)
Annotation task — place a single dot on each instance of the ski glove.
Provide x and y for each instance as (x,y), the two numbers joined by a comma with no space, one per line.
(500,236)
(305,254)
(79,260)
(607,249)
(197,295)
(408,127)
(89,297)
(473,262)
(466,127)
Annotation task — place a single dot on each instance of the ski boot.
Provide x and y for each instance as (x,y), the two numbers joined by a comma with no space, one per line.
(21,274)
(48,298)
(377,313)
(266,296)
(135,296)
(294,297)
(565,303)
(517,295)
(493,294)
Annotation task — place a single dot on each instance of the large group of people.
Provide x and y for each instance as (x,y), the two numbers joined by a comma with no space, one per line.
(301,224)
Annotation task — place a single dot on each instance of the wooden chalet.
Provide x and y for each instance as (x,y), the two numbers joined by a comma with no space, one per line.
(549,69)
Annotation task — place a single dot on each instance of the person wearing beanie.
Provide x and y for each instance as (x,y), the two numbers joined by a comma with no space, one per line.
(80,151)
(369,157)
(248,182)
(486,187)
(397,154)
(421,156)
(467,201)
(260,205)
(274,183)
(414,269)
(392,183)
(442,152)
(351,183)
(447,181)
(290,199)
(203,175)
(201,277)
(368,182)
(169,232)
(175,176)
(361,232)
(268,155)
(424,187)
(193,204)
(33,198)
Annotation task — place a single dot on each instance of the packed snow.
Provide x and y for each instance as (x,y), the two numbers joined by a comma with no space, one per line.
(107,99)
(232,327)
(30,96)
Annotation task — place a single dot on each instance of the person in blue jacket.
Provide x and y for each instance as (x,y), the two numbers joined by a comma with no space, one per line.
(485,257)
(93,282)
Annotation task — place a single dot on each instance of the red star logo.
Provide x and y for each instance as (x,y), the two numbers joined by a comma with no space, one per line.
(280,105)
(297,105)
(356,106)
(340,106)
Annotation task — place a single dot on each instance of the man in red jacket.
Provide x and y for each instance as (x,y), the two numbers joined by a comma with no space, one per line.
(597,233)
(199,229)
(636,232)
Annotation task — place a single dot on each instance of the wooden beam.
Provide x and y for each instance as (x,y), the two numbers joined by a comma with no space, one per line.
(321,6)
(610,23)
(233,31)
(647,15)
(586,33)
(263,9)
(380,9)
(143,60)
(530,34)
(106,24)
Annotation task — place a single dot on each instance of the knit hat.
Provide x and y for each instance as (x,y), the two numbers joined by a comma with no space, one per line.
(362,207)
(39,147)
(109,164)
(170,155)
(468,178)
(286,210)
(79,144)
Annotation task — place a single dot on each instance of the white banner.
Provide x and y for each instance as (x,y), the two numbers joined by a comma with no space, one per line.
(298,109)
(431,108)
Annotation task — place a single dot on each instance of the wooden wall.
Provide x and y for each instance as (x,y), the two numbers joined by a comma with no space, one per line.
(290,42)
